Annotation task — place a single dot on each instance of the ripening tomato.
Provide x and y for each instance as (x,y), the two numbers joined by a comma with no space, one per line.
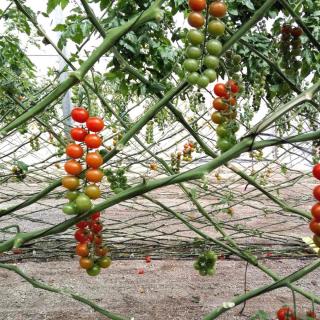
(97,239)
(219,104)
(73,167)
(94,160)
(315,227)
(217,117)
(70,182)
(197,5)
(82,250)
(92,141)
(218,9)
(316,171)
(196,19)
(232,101)
(74,151)
(96,226)
(92,191)
(220,90)
(95,216)
(285,313)
(94,175)
(95,124)
(315,211)
(86,263)
(94,270)
(78,134)
(79,114)
(104,262)
(82,224)
(316,240)
(101,251)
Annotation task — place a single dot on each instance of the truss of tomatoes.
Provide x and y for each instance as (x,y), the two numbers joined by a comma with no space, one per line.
(90,248)
(315,210)
(202,54)
(225,114)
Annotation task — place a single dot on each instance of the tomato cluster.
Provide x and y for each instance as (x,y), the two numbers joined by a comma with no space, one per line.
(176,161)
(90,248)
(225,114)
(88,233)
(188,149)
(290,48)
(202,54)
(287,313)
(315,210)
(205,263)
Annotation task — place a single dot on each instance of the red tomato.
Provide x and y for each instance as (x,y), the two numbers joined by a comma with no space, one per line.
(74,151)
(311,314)
(94,175)
(95,216)
(197,5)
(232,101)
(93,141)
(148,259)
(96,226)
(82,235)
(82,224)
(315,227)
(315,211)
(79,114)
(232,86)
(285,313)
(316,192)
(140,271)
(220,90)
(78,134)
(95,124)
(94,160)
(316,171)
(219,104)
(73,167)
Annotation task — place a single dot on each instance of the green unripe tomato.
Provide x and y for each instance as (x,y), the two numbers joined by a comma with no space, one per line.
(196,265)
(83,203)
(224,144)
(94,271)
(216,28)
(211,256)
(234,126)
(193,77)
(214,47)
(211,62)
(195,37)
(193,52)
(222,131)
(104,262)
(210,271)
(203,81)
(203,272)
(69,209)
(236,59)
(191,65)
(72,195)
(211,74)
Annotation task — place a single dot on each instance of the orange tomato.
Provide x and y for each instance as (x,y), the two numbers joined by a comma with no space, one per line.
(73,167)
(101,251)
(73,150)
(82,250)
(86,263)
(196,19)
(219,104)
(94,175)
(94,160)
(218,9)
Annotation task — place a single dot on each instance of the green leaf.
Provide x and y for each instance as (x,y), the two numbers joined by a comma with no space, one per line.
(51,5)
(59,27)
(64,3)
